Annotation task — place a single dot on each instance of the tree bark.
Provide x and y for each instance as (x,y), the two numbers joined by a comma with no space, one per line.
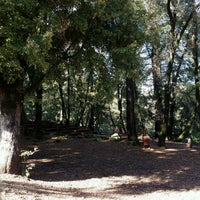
(186,131)
(174,42)
(130,115)
(111,118)
(64,114)
(157,82)
(91,124)
(68,98)
(196,62)
(23,122)
(38,112)
(160,126)
(84,100)
(10,113)
(38,105)
(122,128)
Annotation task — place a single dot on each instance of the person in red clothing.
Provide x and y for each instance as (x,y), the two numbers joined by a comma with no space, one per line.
(146,139)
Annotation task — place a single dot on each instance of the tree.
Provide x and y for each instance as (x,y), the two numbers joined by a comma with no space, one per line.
(130,110)
(25,39)
(176,34)
(194,30)
(27,35)
(171,41)
(153,54)
(169,49)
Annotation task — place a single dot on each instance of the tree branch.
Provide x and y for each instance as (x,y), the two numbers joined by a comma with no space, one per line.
(186,24)
(172,15)
(34,85)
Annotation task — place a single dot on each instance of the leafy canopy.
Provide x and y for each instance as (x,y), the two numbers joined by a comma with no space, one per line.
(24,33)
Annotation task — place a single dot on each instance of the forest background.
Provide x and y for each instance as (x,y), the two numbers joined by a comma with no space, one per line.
(99,64)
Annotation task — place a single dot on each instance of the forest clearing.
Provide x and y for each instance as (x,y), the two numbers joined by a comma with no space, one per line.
(90,169)
(78,68)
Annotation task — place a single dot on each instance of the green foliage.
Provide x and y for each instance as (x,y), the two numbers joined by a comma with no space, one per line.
(89,47)
(23,35)
(94,44)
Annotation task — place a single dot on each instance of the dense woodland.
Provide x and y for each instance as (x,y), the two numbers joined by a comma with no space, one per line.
(98,64)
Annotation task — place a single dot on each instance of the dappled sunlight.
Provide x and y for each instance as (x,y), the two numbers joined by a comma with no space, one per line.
(44,160)
(76,153)
(120,187)
(86,168)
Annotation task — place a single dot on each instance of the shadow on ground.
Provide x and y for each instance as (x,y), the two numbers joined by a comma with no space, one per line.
(176,168)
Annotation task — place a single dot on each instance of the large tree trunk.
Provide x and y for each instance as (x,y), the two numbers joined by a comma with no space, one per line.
(130,115)
(23,122)
(160,126)
(10,112)
(165,127)
(158,96)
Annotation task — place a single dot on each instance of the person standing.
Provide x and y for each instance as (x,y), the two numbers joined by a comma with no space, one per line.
(146,140)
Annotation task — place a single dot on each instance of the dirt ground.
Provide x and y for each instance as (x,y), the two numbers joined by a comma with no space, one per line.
(87,169)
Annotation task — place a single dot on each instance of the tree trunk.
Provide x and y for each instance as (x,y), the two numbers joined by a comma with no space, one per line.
(122,128)
(83,102)
(130,115)
(171,119)
(38,112)
(64,114)
(174,43)
(68,99)
(196,62)
(10,113)
(157,81)
(23,122)
(111,118)
(186,131)
(165,129)
(38,105)
(172,108)
(162,136)
(91,124)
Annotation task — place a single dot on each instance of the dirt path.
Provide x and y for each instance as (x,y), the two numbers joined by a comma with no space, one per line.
(87,169)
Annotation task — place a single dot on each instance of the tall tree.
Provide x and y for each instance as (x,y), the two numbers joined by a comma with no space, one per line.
(154,47)
(176,34)
(194,41)
(25,39)
(130,110)
(170,40)
(195,53)
(157,81)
